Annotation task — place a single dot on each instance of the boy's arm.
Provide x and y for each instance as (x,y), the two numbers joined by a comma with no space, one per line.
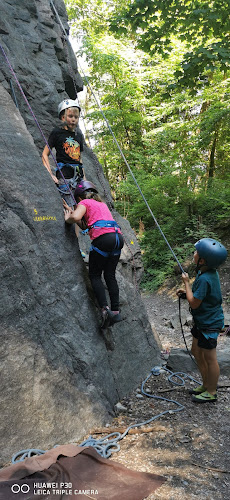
(193,302)
(46,163)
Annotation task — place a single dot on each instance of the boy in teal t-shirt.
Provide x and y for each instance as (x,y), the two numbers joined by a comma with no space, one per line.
(206,288)
(205,300)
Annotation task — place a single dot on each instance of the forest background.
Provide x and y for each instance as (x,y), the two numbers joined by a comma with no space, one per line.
(161,72)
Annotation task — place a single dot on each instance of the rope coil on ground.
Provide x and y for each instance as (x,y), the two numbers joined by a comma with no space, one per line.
(109,444)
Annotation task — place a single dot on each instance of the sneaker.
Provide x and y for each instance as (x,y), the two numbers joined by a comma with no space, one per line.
(105,320)
(114,318)
(197,390)
(205,397)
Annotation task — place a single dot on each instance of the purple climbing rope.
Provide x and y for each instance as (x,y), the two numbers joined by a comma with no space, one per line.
(35,119)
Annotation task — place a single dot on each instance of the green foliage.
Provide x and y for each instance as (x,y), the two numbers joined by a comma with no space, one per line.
(202,25)
(177,143)
(158,260)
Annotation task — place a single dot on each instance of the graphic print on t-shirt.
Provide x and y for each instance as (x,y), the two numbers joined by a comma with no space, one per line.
(72,148)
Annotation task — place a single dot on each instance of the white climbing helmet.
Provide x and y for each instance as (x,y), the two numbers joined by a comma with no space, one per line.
(68,103)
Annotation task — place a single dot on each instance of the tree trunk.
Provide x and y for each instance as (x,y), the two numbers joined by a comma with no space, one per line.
(211,169)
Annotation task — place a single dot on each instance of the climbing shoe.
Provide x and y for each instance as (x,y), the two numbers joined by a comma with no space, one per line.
(114,318)
(105,320)
(197,390)
(205,397)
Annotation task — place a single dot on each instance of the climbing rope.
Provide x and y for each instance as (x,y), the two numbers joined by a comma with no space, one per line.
(182,331)
(23,454)
(100,176)
(109,444)
(118,145)
(65,182)
(35,119)
(42,134)
(110,129)
(65,44)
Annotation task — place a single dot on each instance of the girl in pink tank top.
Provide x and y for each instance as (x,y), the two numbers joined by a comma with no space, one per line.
(107,242)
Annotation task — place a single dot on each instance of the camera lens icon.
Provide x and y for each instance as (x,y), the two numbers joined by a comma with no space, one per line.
(20,488)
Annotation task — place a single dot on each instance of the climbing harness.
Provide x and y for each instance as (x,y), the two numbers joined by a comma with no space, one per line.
(98,171)
(114,252)
(71,172)
(109,444)
(205,329)
(66,187)
(73,175)
(105,223)
(111,131)
(127,164)
(110,224)
(118,146)
(35,119)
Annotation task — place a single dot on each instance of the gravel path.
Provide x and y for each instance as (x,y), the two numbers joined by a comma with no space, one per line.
(189,448)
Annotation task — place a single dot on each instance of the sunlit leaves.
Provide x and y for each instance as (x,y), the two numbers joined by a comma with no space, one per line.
(204,26)
(177,142)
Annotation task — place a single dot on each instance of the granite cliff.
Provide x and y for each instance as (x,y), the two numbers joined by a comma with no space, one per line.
(59,375)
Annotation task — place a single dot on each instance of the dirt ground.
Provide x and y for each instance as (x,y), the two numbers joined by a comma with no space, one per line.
(189,448)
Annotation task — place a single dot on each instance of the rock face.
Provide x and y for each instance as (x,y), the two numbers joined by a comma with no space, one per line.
(180,360)
(59,375)
(33,41)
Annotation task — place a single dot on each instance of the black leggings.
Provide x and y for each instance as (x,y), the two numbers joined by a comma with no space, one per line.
(99,263)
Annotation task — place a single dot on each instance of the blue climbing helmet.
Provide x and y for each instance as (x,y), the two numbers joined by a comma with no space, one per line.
(84,186)
(212,251)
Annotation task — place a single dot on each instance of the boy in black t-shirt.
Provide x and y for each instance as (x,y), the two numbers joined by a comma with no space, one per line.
(68,145)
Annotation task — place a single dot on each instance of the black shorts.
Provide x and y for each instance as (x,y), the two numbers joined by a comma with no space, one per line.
(202,341)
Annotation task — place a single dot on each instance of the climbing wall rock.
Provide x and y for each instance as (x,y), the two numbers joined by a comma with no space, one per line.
(60,376)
